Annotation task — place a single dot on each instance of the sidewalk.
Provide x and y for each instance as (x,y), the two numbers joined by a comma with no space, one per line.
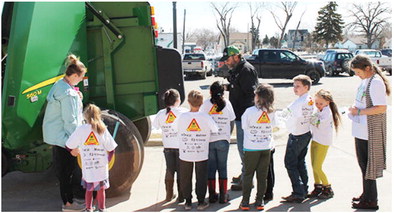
(148,193)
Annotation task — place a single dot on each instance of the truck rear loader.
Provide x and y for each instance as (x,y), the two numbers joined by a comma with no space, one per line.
(127,75)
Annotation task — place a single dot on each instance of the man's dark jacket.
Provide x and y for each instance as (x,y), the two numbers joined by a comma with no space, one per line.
(243,81)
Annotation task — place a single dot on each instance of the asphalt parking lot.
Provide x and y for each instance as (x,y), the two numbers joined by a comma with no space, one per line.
(39,191)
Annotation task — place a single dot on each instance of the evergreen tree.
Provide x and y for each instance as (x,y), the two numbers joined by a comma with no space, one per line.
(274,42)
(266,40)
(329,25)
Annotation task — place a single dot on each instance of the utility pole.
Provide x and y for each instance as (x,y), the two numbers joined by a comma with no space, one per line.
(183,34)
(175,39)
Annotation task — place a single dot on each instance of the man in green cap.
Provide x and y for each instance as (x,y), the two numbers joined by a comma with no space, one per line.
(243,81)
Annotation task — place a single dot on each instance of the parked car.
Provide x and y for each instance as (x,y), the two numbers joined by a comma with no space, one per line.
(280,63)
(383,61)
(337,61)
(220,69)
(212,64)
(196,64)
(386,52)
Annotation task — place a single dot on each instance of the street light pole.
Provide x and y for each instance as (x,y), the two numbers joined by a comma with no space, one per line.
(174,25)
(183,36)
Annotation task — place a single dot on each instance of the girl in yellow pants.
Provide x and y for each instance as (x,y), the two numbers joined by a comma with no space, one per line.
(324,119)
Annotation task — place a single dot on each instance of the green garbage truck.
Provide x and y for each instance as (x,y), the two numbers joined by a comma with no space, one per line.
(127,75)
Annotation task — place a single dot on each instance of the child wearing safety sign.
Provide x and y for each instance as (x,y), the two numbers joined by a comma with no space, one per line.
(258,122)
(96,146)
(298,125)
(324,118)
(166,119)
(221,110)
(194,130)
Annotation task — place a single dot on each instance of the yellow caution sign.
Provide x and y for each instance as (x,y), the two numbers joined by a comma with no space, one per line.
(193,126)
(91,140)
(310,103)
(264,118)
(170,118)
(213,110)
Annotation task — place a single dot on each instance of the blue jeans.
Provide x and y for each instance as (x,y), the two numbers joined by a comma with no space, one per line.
(240,144)
(296,149)
(217,160)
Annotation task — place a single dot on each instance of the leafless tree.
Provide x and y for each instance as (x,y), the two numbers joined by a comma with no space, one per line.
(288,9)
(295,33)
(223,19)
(203,37)
(255,18)
(369,19)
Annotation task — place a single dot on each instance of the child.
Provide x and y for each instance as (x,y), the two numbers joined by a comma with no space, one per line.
(166,120)
(194,129)
(297,145)
(324,116)
(93,139)
(222,112)
(258,122)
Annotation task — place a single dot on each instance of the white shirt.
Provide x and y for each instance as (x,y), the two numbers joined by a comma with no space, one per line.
(167,123)
(194,130)
(300,113)
(222,119)
(378,96)
(322,126)
(258,129)
(93,149)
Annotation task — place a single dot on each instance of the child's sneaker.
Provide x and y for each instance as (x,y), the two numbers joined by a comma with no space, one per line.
(244,206)
(203,205)
(73,207)
(259,205)
(188,205)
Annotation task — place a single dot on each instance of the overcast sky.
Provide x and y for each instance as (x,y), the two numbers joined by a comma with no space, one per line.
(199,14)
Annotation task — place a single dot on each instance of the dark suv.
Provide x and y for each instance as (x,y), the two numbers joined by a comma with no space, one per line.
(337,61)
(279,63)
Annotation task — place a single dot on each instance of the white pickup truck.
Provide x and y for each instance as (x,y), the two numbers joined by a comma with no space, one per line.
(196,64)
(384,62)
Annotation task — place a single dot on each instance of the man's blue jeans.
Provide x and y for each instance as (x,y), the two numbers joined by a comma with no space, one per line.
(240,144)
(217,160)
(296,150)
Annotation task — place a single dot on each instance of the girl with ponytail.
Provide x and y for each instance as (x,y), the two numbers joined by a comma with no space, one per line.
(324,118)
(369,127)
(221,110)
(166,120)
(93,139)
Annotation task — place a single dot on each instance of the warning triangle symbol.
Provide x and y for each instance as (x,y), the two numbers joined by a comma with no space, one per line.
(170,118)
(264,118)
(310,103)
(213,110)
(91,140)
(193,126)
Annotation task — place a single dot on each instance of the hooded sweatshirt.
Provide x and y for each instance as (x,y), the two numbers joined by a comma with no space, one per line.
(63,114)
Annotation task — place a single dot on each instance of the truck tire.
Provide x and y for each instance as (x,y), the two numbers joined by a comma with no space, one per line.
(330,71)
(204,75)
(4,164)
(314,75)
(129,154)
(210,72)
(346,67)
(144,126)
